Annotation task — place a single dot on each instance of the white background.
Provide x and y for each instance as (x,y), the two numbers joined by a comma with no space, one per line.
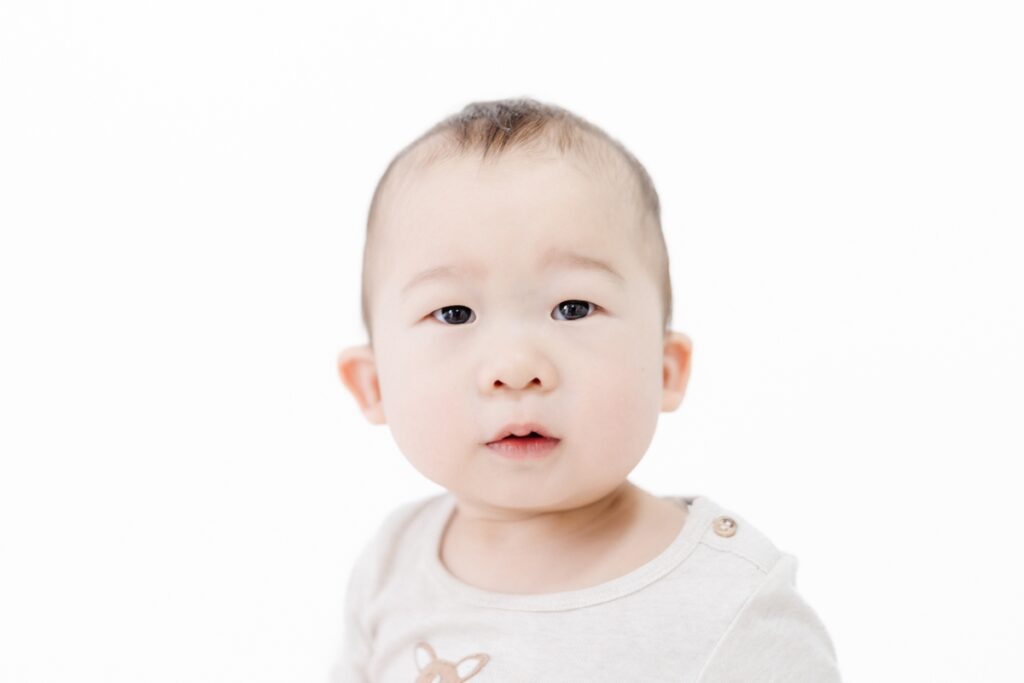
(184,480)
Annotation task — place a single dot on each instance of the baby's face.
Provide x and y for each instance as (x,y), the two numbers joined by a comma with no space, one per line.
(508,334)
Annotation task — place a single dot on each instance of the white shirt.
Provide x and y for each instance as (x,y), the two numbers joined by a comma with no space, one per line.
(717,605)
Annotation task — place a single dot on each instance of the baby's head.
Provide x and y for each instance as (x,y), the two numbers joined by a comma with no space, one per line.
(515,271)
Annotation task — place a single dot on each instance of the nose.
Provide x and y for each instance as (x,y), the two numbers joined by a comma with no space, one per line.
(518,369)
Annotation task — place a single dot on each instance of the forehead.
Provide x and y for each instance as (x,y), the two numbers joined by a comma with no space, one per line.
(517,209)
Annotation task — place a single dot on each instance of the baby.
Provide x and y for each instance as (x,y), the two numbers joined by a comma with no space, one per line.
(517,302)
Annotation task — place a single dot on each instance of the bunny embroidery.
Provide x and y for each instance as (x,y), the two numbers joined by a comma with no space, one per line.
(434,670)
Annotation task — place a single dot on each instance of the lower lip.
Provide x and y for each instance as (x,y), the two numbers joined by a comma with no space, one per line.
(523,449)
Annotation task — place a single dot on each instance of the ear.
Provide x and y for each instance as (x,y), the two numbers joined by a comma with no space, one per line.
(678,349)
(358,370)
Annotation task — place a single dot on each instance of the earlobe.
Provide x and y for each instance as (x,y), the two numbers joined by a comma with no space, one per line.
(357,368)
(676,372)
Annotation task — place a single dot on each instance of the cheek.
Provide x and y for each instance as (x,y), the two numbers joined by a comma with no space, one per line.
(619,410)
(424,408)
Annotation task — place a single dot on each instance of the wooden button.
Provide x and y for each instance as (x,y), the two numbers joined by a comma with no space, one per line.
(725,526)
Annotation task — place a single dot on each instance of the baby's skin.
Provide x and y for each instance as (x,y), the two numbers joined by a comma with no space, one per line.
(614,536)
(511,291)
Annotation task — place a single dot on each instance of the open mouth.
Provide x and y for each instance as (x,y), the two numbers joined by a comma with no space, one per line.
(533,445)
(531,435)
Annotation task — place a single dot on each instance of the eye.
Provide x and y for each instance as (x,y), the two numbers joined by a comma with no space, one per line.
(575,309)
(451,314)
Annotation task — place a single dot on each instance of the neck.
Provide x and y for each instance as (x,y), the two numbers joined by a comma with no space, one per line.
(496,528)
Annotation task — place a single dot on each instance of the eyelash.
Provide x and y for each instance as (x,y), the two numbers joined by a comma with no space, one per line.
(592,308)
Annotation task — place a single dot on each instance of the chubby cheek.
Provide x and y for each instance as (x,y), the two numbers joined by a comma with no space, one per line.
(618,413)
(425,410)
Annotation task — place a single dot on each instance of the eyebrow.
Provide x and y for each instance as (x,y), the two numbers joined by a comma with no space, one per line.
(554,258)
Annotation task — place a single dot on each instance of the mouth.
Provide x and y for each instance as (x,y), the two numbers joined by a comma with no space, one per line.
(534,444)
(522,430)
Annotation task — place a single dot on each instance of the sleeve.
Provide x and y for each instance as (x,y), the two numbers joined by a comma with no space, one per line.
(775,636)
(352,664)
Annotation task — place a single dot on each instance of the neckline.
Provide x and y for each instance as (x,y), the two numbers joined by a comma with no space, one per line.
(697,521)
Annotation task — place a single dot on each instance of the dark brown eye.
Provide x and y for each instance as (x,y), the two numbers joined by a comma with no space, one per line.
(574,309)
(452,315)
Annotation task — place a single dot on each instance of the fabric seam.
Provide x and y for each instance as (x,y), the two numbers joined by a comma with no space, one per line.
(734,620)
(752,561)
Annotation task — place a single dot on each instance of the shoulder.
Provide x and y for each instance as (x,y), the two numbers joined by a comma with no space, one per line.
(773,634)
(400,526)
(406,515)
(730,534)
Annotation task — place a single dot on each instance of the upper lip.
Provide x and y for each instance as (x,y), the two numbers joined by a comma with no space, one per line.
(521,429)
